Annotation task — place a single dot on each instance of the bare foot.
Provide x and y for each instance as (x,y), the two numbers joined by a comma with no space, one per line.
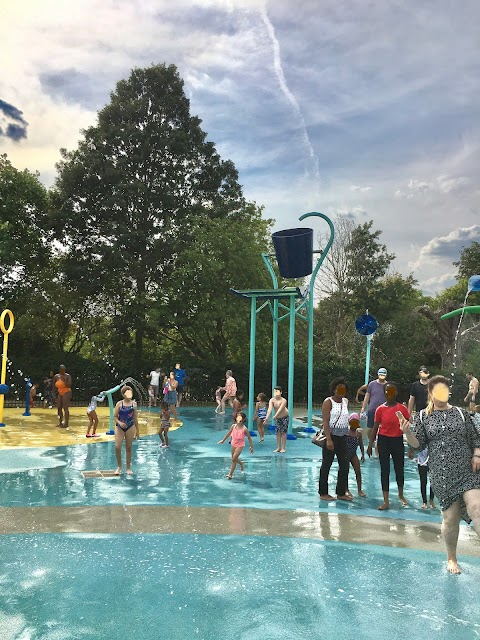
(362,494)
(118,471)
(261,440)
(452,567)
(228,476)
(424,505)
(346,497)
(276,451)
(327,497)
(129,472)
(403,501)
(242,465)
(282,450)
(432,505)
(384,506)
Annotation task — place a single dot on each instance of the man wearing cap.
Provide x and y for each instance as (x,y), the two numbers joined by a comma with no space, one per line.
(374,397)
(419,391)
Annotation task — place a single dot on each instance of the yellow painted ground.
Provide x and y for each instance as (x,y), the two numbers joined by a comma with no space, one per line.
(41,428)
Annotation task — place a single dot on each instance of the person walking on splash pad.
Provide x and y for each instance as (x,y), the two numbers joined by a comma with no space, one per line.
(238,431)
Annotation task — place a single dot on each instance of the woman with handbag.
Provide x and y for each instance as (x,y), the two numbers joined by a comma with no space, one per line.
(335,427)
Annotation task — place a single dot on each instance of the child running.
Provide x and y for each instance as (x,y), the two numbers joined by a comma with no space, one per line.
(218,398)
(354,440)
(238,431)
(126,427)
(260,414)
(422,463)
(164,425)
(95,396)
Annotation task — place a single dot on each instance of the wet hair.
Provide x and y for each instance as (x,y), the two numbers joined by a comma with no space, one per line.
(262,396)
(334,384)
(94,391)
(124,389)
(243,416)
(278,388)
(432,383)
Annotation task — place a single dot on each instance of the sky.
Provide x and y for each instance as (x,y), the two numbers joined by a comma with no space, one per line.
(353,107)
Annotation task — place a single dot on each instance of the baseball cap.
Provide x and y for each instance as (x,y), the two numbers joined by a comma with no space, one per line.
(423,370)
(382,371)
(353,416)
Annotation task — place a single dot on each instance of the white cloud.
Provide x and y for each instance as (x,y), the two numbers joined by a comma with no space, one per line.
(436,284)
(360,189)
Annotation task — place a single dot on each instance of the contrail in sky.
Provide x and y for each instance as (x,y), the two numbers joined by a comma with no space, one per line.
(277,65)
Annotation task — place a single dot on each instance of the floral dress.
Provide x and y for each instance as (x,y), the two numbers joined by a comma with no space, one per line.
(450,436)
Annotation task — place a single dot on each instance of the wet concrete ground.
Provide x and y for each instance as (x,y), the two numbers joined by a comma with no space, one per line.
(179,551)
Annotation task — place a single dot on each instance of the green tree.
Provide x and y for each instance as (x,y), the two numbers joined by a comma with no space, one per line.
(347,281)
(469,263)
(24,249)
(128,198)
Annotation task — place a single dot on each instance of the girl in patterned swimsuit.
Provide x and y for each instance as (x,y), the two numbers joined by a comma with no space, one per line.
(126,427)
(238,431)
(354,439)
(261,414)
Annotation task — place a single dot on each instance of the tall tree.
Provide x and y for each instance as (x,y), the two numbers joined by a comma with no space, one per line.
(469,263)
(128,197)
(24,249)
(348,278)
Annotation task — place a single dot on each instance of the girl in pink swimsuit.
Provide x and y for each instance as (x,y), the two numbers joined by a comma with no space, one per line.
(238,431)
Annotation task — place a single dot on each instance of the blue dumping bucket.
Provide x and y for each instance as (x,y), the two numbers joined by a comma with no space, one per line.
(474,283)
(294,251)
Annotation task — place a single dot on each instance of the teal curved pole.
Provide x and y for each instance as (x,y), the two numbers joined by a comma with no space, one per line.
(273,275)
(109,393)
(314,214)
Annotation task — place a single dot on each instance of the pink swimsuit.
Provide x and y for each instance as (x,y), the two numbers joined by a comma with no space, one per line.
(238,437)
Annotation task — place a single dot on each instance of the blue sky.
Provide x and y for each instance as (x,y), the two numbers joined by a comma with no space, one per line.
(368,109)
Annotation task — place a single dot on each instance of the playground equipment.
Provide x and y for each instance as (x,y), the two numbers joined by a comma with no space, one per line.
(366,325)
(6,331)
(29,385)
(109,393)
(294,254)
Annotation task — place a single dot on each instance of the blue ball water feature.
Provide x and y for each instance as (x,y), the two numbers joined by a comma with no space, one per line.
(474,283)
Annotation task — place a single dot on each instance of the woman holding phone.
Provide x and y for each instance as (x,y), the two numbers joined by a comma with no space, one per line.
(390,442)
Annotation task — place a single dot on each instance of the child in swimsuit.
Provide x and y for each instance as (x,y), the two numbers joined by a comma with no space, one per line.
(238,404)
(238,431)
(354,440)
(218,398)
(95,396)
(126,427)
(164,425)
(260,414)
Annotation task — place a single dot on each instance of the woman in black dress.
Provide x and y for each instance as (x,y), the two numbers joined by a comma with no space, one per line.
(453,443)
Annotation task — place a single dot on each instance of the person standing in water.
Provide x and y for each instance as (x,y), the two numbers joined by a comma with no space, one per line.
(230,391)
(418,397)
(390,442)
(335,428)
(48,391)
(180,375)
(453,443)
(126,427)
(62,394)
(171,396)
(278,405)
(238,432)
(374,397)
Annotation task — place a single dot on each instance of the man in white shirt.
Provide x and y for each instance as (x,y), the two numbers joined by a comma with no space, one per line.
(154,384)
